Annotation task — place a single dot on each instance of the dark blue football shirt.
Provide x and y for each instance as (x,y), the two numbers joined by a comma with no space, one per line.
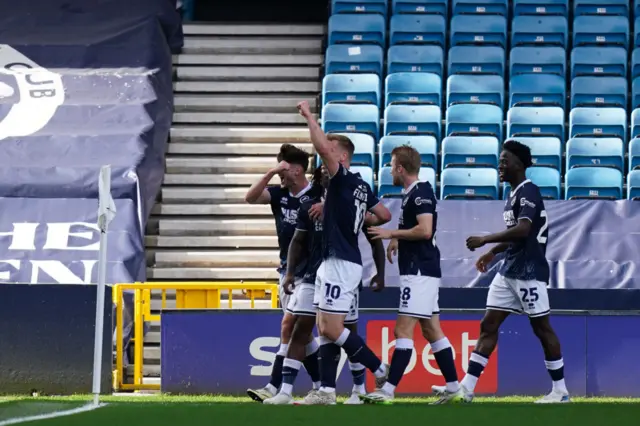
(348,199)
(526,259)
(418,257)
(314,240)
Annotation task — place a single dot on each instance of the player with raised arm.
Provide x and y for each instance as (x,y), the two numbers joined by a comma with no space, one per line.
(521,283)
(285,200)
(338,278)
(419,267)
(307,243)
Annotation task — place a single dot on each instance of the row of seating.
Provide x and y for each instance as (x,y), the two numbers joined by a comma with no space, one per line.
(500,7)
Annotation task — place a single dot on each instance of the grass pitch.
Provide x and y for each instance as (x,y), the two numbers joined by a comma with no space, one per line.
(232,411)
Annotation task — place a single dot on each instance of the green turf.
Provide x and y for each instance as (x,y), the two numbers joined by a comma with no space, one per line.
(231,411)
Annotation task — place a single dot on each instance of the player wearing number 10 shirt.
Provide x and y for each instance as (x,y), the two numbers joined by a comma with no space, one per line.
(521,283)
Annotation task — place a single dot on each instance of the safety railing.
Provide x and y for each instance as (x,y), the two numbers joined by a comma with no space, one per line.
(189,295)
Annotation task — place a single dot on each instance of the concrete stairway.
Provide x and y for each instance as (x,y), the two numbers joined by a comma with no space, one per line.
(236,92)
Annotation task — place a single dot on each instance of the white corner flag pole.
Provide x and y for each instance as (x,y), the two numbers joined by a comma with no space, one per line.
(106,213)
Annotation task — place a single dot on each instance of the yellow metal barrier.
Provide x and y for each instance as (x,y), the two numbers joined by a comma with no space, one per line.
(189,295)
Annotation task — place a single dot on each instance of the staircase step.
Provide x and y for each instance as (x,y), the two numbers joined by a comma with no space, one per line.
(231,148)
(195,195)
(247,87)
(262,29)
(219,165)
(248,73)
(217,258)
(240,118)
(251,60)
(240,179)
(212,273)
(224,241)
(224,133)
(211,209)
(241,103)
(252,45)
(217,227)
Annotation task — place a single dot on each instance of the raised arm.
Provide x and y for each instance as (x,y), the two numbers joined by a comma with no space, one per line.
(258,192)
(319,140)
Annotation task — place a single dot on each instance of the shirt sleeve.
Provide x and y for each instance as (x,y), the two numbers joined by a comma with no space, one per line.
(275,192)
(372,200)
(529,199)
(304,222)
(424,201)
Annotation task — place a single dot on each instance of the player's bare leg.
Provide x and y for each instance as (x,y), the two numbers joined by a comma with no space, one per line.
(553,359)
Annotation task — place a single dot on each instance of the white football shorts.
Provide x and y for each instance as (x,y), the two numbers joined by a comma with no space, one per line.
(518,296)
(337,283)
(419,296)
(284,297)
(301,301)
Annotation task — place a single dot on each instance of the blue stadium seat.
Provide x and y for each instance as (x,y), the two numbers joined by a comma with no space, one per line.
(488,7)
(434,7)
(633,185)
(546,178)
(365,147)
(427,146)
(474,120)
(546,152)
(601,31)
(599,92)
(413,88)
(470,151)
(351,119)
(412,119)
(601,7)
(540,31)
(537,90)
(469,183)
(635,64)
(595,152)
(365,172)
(359,6)
(635,94)
(353,59)
(599,61)
(386,189)
(539,121)
(476,60)
(635,123)
(537,60)
(366,28)
(480,89)
(479,30)
(427,174)
(593,183)
(600,122)
(541,7)
(634,154)
(418,29)
(351,88)
(414,58)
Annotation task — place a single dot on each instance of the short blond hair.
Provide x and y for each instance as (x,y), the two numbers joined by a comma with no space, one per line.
(407,157)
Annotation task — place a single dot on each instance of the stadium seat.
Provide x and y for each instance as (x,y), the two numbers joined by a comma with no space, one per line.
(427,174)
(469,183)
(599,61)
(537,90)
(635,123)
(351,88)
(434,7)
(539,121)
(600,122)
(427,146)
(414,58)
(418,29)
(342,59)
(488,7)
(413,88)
(601,7)
(593,183)
(386,188)
(601,31)
(634,154)
(541,7)
(359,6)
(635,64)
(479,89)
(546,152)
(351,119)
(474,120)
(412,119)
(366,28)
(364,154)
(365,172)
(540,31)
(478,30)
(635,93)
(470,151)
(537,60)
(547,179)
(476,60)
(633,185)
(595,152)
(599,92)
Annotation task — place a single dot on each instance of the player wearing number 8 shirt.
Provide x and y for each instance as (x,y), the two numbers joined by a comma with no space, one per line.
(521,283)
(347,200)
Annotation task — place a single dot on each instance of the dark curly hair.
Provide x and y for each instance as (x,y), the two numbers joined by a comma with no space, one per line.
(520,150)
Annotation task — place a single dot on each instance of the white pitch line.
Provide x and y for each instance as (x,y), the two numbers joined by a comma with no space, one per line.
(63,413)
